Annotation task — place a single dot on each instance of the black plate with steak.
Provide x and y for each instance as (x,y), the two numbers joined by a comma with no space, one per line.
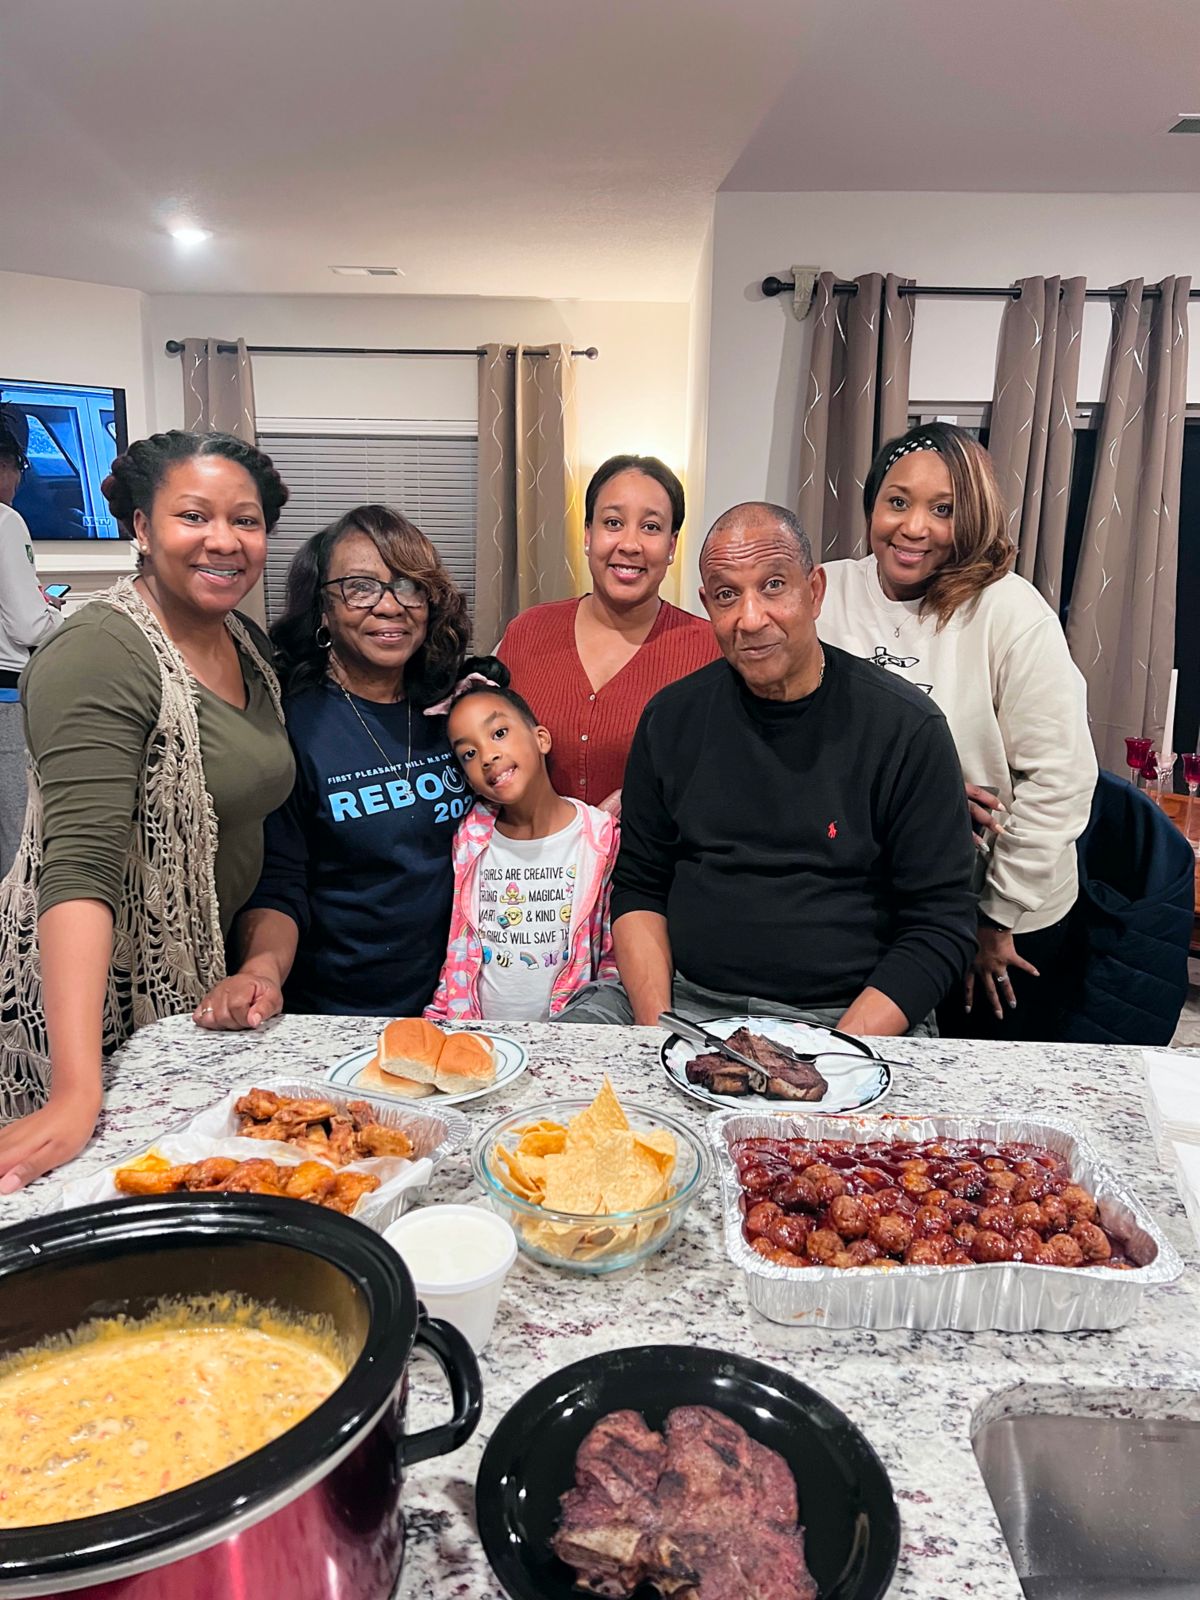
(700,1512)
(703,1455)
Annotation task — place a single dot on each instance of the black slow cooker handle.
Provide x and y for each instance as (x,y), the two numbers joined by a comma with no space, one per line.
(457,1360)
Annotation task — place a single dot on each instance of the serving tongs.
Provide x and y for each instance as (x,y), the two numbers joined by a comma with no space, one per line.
(694,1033)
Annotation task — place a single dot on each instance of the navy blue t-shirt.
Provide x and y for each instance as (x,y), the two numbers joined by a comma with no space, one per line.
(359,856)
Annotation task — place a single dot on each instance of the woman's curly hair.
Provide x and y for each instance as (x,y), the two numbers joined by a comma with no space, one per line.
(434,669)
(135,477)
(982,551)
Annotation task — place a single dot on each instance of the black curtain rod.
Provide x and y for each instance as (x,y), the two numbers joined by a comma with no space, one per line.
(174,347)
(774,286)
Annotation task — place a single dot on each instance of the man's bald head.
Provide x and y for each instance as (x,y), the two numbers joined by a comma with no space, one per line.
(756,517)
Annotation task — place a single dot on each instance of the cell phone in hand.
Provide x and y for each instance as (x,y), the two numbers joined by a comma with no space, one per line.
(57,590)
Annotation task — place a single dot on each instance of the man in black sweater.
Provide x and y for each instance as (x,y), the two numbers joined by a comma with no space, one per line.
(795,835)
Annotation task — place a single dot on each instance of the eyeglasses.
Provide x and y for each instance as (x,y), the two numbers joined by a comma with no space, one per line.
(364,594)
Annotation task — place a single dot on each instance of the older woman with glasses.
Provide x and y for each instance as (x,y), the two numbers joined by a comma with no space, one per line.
(352,911)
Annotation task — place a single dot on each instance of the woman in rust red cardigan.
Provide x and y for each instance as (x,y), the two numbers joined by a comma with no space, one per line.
(589,666)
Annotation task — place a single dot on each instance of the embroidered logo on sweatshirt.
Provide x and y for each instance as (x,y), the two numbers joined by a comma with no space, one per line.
(831,831)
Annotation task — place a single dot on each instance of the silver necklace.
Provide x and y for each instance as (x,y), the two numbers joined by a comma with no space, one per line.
(366,727)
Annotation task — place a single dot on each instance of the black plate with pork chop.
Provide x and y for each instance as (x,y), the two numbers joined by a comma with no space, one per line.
(700,1449)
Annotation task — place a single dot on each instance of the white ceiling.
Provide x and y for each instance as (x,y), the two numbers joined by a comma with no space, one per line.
(1049,96)
(545,148)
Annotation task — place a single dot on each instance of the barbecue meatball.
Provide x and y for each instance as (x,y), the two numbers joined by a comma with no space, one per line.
(936,1197)
(1092,1240)
(862,1252)
(960,1210)
(758,1178)
(760,1217)
(796,1194)
(1028,1215)
(798,1155)
(963,1234)
(790,1232)
(1026,1245)
(916,1164)
(1055,1216)
(930,1223)
(1004,1182)
(777,1255)
(1079,1203)
(849,1216)
(956,1256)
(873,1178)
(991,1246)
(1030,1189)
(997,1219)
(895,1200)
(1066,1251)
(823,1245)
(829,1186)
(915,1184)
(923,1253)
(892,1233)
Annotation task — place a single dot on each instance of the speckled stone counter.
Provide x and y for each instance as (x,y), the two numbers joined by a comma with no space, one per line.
(916,1396)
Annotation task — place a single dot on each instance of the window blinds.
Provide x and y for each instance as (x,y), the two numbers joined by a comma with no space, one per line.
(430,477)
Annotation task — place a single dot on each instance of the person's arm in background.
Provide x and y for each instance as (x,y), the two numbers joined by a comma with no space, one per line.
(1041,707)
(929,849)
(642,883)
(26,616)
(90,704)
(268,931)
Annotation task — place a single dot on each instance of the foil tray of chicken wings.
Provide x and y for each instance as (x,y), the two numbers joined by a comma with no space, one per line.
(1012,1296)
(433,1134)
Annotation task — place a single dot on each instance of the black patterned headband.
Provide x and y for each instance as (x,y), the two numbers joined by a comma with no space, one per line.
(923,441)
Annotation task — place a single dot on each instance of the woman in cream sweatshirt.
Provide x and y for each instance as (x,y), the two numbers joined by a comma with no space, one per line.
(936,602)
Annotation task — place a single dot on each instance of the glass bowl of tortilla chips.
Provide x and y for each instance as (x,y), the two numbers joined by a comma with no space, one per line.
(591,1185)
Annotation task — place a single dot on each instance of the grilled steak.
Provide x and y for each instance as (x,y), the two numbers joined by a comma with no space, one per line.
(706,1514)
(790,1076)
(719,1074)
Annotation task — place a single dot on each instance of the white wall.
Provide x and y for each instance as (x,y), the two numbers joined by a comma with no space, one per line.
(61,331)
(699,338)
(759,351)
(634,397)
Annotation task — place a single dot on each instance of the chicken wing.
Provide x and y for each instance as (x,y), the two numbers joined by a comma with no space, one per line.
(311,1180)
(149,1174)
(258,1105)
(255,1177)
(348,1190)
(376,1140)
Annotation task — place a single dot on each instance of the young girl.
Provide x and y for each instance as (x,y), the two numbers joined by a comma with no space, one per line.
(532,872)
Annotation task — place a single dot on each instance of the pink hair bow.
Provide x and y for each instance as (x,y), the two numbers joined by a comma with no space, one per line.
(443,706)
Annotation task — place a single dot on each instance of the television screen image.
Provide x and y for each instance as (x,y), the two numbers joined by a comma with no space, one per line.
(74,432)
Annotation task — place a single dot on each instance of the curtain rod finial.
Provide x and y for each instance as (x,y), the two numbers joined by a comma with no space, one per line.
(173,347)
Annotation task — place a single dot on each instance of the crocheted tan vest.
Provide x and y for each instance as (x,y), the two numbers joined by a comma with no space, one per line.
(167,944)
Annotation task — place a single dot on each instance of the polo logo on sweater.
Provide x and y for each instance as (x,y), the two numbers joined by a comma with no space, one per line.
(831,831)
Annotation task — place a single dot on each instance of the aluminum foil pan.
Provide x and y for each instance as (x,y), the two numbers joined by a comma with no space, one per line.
(435,1134)
(1012,1296)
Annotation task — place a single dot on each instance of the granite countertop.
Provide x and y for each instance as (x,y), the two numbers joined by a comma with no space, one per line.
(916,1396)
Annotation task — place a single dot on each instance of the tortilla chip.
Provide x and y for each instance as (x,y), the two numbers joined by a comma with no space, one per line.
(573,1183)
(659,1143)
(543,1142)
(604,1115)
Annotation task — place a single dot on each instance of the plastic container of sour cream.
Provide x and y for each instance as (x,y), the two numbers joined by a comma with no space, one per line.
(459,1257)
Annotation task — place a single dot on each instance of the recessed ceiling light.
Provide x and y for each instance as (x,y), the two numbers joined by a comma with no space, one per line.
(367,272)
(1189,122)
(189,236)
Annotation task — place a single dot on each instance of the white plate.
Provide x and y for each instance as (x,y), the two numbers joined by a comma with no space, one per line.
(851,1086)
(512,1060)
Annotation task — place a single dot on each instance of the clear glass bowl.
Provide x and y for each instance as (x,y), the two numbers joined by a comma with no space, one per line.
(588,1243)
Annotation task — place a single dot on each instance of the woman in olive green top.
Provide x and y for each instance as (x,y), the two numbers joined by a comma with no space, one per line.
(155,726)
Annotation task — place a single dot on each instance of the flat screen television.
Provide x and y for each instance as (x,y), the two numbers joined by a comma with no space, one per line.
(75,431)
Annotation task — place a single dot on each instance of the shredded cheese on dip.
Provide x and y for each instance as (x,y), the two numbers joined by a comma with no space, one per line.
(96,1426)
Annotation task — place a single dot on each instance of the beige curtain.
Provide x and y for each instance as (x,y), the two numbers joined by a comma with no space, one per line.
(530,503)
(1121,628)
(1033,422)
(856,397)
(218,397)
